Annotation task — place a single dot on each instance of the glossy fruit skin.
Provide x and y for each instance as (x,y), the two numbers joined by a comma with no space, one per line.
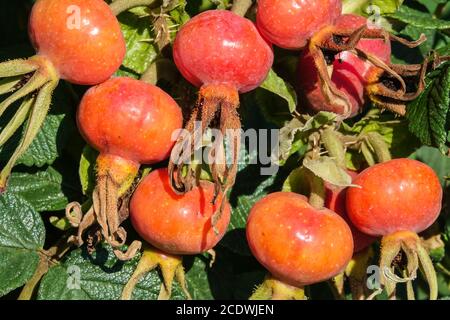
(297,243)
(220,47)
(176,224)
(350,74)
(130,119)
(397,195)
(335,201)
(82,38)
(291,23)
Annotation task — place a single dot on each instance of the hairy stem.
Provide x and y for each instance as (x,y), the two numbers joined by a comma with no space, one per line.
(240,7)
(119,6)
(30,287)
(160,69)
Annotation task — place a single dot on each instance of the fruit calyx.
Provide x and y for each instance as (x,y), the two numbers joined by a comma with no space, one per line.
(395,249)
(171,268)
(273,289)
(34,81)
(115,176)
(216,107)
(332,40)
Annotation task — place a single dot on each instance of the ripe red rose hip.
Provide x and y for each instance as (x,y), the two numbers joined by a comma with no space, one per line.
(397,195)
(397,199)
(220,47)
(130,119)
(81,38)
(297,243)
(176,224)
(223,54)
(291,23)
(76,40)
(130,123)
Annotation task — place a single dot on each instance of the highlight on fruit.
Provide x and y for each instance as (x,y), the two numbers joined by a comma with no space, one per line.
(224,150)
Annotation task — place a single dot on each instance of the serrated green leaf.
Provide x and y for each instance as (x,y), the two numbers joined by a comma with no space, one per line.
(419,19)
(102,277)
(22,235)
(428,115)
(43,189)
(278,86)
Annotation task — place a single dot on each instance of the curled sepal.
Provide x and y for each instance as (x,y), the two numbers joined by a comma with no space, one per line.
(115,176)
(171,268)
(404,251)
(273,289)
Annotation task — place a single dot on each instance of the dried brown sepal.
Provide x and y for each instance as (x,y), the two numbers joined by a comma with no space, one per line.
(216,107)
(332,40)
(115,178)
(385,92)
(404,251)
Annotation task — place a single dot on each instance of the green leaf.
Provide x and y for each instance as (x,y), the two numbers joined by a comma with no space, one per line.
(429,114)
(22,235)
(360,7)
(197,278)
(328,170)
(141,48)
(102,277)
(297,182)
(87,169)
(419,19)
(278,86)
(42,190)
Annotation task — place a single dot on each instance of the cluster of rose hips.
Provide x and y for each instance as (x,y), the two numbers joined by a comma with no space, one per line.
(131,123)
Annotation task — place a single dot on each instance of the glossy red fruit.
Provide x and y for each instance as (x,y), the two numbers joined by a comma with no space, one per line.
(176,224)
(350,74)
(335,201)
(130,119)
(291,23)
(297,243)
(397,195)
(82,38)
(220,47)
